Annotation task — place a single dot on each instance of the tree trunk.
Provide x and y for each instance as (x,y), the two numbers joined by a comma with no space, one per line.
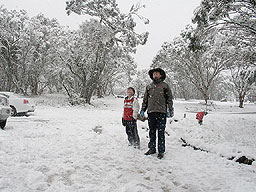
(9,83)
(34,87)
(70,96)
(88,95)
(84,90)
(205,95)
(206,100)
(87,91)
(99,91)
(9,76)
(138,94)
(241,100)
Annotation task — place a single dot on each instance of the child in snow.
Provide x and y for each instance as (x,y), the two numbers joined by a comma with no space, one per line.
(200,116)
(131,109)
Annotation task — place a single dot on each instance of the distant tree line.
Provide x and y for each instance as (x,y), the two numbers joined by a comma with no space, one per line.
(214,59)
(217,57)
(38,54)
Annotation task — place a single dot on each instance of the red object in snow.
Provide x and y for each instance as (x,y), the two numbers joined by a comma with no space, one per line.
(200,116)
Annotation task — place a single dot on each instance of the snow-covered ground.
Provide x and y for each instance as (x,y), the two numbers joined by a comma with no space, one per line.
(64,148)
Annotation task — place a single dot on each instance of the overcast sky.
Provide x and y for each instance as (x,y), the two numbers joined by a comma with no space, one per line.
(167,19)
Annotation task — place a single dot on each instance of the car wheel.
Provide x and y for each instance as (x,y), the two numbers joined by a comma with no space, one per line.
(13,111)
(2,124)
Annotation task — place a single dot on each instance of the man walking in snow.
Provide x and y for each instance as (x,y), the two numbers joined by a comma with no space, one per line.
(158,101)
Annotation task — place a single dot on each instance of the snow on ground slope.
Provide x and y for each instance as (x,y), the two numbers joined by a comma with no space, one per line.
(63,148)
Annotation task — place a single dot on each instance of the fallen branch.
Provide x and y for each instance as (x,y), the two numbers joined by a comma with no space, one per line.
(240,160)
(185,144)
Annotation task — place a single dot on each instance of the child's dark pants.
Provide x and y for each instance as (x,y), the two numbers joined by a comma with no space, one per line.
(132,132)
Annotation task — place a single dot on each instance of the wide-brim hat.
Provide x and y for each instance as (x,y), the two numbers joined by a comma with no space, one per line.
(161,71)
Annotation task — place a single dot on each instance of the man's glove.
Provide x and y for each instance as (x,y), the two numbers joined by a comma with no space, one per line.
(170,113)
(142,113)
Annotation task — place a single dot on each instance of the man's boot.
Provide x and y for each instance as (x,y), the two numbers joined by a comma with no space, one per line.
(160,155)
(150,151)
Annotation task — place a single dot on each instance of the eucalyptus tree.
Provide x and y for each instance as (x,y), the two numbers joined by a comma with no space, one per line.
(189,60)
(12,24)
(27,51)
(140,81)
(112,32)
(230,15)
(119,71)
(237,20)
(41,58)
(242,69)
(92,60)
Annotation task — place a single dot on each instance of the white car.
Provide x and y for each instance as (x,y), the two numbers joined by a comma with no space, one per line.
(5,111)
(20,105)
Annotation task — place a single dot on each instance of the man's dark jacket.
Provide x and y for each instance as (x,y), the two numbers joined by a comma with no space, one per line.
(158,95)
